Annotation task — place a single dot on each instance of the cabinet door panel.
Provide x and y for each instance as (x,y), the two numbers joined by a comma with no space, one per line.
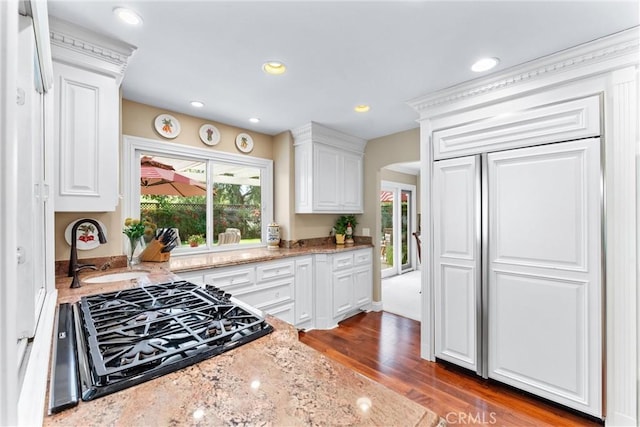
(86,140)
(456,215)
(545,308)
(362,286)
(351,183)
(304,291)
(326,190)
(342,292)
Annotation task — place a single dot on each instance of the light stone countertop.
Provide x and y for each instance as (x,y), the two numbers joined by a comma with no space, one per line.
(272,381)
(246,256)
(170,270)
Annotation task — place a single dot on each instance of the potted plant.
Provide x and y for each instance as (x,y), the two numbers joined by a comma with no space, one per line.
(195,240)
(344,229)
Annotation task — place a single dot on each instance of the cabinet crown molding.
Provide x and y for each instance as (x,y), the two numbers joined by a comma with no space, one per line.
(598,56)
(314,132)
(81,47)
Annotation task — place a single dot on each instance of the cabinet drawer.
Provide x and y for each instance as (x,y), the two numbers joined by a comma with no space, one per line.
(231,279)
(362,257)
(274,270)
(276,292)
(283,312)
(195,277)
(342,261)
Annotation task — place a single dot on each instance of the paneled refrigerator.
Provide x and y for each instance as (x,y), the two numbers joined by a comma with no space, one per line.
(518,268)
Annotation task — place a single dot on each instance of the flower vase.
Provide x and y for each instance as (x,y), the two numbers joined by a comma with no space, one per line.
(133,251)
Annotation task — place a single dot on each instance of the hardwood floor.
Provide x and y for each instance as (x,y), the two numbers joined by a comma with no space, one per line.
(386,348)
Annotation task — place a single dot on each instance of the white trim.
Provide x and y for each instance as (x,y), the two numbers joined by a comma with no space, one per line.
(376,306)
(34,387)
(78,46)
(8,197)
(427,331)
(608,66)
(410,168)
(314,132)
(597,57)
(38,11)
(621,151)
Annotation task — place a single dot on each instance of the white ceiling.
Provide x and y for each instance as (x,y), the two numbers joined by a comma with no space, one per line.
(339,54)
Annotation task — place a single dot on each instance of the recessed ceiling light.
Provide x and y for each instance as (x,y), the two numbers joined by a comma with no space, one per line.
(254,120)
(484,64)
(362,108)
(128,16)
(197,104)
(274,68)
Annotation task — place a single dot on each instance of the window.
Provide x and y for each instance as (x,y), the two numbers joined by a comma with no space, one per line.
(215,200)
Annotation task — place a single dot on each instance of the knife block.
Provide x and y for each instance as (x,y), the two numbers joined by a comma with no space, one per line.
(152,252)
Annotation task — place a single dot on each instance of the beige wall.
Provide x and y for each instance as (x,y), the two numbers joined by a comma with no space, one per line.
(137,120)
(394,176)
(380,152)
(283,184)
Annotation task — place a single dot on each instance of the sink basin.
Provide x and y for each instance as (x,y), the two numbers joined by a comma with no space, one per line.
(116,277)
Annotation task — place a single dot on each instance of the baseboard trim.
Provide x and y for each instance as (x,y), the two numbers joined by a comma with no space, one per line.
(376,306)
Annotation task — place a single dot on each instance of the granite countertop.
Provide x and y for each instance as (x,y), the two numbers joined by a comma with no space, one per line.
(245,256)
(170,270)
(274,380)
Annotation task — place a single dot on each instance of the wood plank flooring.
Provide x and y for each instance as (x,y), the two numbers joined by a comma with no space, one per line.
(386,348)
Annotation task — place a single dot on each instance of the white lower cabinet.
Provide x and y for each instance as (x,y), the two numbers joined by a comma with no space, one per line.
(313,291)
(343,286)
(362,282)
(267,286)
(304,286)
(342,289)
(196,277)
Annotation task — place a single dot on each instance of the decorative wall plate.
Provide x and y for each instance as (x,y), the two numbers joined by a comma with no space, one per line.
(244,142)
(209,134)
(87,235)
(167,126)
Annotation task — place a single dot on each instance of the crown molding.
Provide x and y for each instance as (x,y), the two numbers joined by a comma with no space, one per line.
(314,132)
(79,46)
(601,55)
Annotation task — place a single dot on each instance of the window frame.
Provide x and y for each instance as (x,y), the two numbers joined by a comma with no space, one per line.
(131,191)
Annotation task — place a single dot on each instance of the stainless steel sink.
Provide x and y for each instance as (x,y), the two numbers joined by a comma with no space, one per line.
(116,277)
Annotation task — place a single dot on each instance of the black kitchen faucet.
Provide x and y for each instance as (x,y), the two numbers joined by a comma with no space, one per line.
(74,267)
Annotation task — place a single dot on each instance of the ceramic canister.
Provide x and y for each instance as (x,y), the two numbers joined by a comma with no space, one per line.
(273,236)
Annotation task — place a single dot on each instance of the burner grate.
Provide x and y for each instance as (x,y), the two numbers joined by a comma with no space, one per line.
(138,334)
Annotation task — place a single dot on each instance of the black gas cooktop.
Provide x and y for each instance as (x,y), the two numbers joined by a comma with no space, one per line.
(125,338)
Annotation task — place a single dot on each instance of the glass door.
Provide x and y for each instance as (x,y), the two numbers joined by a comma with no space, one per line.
(397,214)
(387,197)
(406,224)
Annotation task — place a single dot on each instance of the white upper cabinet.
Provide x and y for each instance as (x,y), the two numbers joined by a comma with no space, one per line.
(328,169)
(88,69)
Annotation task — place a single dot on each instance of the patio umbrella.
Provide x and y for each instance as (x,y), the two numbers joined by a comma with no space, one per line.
(387,196)
(161,179)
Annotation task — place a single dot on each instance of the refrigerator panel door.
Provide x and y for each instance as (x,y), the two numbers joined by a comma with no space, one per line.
(545,282)
(456,214)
